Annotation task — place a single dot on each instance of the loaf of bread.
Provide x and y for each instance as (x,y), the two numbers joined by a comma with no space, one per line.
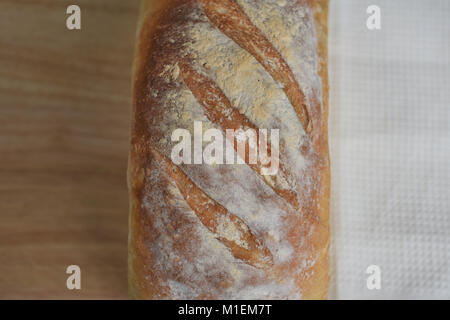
(232,229)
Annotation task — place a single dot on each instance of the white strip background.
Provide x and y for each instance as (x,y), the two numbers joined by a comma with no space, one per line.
(390,148)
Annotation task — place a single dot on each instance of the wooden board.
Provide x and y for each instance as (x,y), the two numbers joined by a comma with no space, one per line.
(64,127)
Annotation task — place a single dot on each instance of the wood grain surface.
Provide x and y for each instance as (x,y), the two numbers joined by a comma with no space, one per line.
(64,127)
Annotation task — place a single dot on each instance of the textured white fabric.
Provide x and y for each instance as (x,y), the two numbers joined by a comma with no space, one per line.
(390,148)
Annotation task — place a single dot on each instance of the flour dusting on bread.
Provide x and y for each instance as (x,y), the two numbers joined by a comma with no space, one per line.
(181,254)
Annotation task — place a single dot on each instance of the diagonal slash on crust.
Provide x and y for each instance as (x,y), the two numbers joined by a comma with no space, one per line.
(231,230)
(229,18)
(219,110)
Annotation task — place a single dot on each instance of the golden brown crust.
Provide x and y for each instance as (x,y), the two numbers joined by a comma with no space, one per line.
(176,213)
(237,25)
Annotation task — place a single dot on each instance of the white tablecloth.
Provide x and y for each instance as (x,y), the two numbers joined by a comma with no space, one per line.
(390,148)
